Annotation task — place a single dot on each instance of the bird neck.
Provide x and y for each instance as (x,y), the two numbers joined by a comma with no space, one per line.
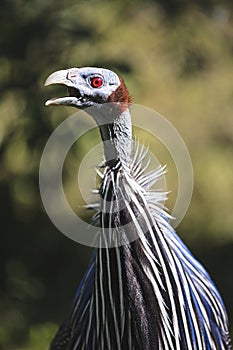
(117,138)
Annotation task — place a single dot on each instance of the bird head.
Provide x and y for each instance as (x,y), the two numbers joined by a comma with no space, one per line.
(89,86)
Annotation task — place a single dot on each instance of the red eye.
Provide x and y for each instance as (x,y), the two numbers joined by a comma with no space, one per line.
(96,82)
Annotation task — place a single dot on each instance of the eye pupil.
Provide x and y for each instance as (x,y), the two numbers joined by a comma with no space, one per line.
(96,82)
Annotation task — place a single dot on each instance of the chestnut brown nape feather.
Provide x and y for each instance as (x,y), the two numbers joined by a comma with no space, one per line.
(121,95)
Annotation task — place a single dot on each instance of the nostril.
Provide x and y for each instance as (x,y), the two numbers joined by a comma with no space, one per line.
(72,75)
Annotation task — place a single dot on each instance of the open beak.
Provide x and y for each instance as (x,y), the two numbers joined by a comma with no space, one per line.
(61,77)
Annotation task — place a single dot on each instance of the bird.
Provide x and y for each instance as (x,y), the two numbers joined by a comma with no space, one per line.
(143,289)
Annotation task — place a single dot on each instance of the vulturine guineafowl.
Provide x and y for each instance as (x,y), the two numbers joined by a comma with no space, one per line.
(148,292)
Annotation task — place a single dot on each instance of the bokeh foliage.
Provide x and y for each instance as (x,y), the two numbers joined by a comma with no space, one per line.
(177,58)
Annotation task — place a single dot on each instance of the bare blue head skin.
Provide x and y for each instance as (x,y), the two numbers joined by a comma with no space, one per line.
(107,97)
(79,81)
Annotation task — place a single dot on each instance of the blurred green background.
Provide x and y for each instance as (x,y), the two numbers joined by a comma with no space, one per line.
(177,58)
